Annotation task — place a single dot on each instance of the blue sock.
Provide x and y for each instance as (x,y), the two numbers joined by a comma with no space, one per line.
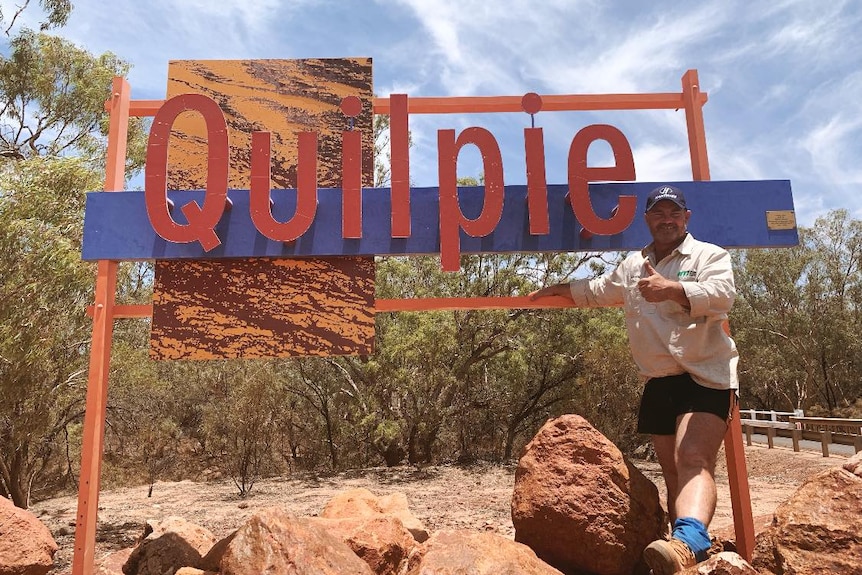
(694,534)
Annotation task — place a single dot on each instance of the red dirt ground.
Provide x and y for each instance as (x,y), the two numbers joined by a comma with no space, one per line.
(473,497)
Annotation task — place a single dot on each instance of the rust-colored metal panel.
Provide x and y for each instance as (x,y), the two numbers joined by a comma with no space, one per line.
(283,97)
(258,308)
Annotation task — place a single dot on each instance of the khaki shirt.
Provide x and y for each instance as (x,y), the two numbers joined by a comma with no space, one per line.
(665,337)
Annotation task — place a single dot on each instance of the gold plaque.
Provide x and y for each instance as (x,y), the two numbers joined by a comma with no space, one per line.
(781,219)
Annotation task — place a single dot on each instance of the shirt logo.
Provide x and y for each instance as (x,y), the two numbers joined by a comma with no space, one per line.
(685,274)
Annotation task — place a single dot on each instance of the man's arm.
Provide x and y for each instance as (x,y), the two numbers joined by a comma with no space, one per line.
(714,291)
(556,289)
(605,291)
(712,294)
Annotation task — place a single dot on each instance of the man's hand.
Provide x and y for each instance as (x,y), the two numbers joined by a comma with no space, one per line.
(656,288)
(557,289)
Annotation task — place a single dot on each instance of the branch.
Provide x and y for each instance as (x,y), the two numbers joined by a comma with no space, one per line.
(772,332)
(15,17)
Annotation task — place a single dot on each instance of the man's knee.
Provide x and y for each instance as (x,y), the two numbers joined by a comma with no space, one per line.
(695,457)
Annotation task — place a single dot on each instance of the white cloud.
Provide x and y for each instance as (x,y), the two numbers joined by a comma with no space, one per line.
(621,57)
(824,146)
(254,16)
(813,28)
(828,145)
(657,163)
(484,47)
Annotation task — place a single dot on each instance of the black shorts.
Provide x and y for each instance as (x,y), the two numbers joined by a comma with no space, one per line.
(666,398)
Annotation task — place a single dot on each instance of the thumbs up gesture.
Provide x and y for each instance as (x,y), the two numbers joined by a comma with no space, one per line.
(653,286)
(649,270)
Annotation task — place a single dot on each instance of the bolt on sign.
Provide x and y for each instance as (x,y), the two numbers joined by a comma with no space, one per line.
(260,214)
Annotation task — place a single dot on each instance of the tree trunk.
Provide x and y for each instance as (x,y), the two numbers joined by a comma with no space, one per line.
(511,434)
(330,439)
(18,485)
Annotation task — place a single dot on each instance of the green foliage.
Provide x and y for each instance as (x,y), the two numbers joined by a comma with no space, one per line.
(52,144)
(798,318)
(52,101)
(55,13)
(609,392)
(43,330)
(239,419)
(382,156)
(473,384)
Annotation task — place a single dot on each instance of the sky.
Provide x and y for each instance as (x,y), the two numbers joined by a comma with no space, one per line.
(784,77)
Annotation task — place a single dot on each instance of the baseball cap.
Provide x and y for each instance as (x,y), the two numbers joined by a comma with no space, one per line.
(671,193)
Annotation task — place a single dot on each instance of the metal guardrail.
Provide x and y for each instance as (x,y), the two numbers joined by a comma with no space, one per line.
(830,430)
(770,414)
(826,430)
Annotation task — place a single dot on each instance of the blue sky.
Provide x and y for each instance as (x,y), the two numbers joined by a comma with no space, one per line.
(784,77)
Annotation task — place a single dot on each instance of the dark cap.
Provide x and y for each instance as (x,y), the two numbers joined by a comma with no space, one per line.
(665,193)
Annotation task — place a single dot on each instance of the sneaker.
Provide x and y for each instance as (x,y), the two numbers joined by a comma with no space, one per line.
(668,557)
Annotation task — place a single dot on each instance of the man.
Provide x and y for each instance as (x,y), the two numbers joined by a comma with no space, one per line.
(676,293)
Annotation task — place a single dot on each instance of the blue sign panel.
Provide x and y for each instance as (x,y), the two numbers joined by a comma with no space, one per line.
(732,214)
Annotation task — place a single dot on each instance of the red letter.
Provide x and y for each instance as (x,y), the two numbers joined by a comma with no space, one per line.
(580,175)
(351,172)
(537,186)
(201,220)
(306,188)
(399,163)
(452,219)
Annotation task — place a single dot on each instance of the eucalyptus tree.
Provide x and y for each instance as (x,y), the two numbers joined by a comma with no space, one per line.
(44,332)
(469,384)
(52,101)
(52,127)
(797,319)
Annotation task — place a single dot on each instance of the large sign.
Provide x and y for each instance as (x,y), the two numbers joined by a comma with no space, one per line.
(260,172)
(206,136)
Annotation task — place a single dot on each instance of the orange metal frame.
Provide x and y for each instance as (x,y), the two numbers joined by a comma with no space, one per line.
(104,312)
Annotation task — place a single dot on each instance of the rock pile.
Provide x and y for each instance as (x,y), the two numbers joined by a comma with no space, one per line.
(819,529)
(578,507)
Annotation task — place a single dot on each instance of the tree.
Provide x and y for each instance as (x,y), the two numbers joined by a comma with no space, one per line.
(56,13)
(325,389)
(43,328)
(240,418)
(561,361)
(609,386)
(797,318)
(382,158)
(771,327)
(471,384)
(52,123)
(52,100)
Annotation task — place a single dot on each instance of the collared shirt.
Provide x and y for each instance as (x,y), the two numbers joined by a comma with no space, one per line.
(667,338)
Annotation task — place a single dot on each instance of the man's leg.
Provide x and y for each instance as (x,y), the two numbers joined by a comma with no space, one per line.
(698,439)
(688,460)
(688,465)
(665,451)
